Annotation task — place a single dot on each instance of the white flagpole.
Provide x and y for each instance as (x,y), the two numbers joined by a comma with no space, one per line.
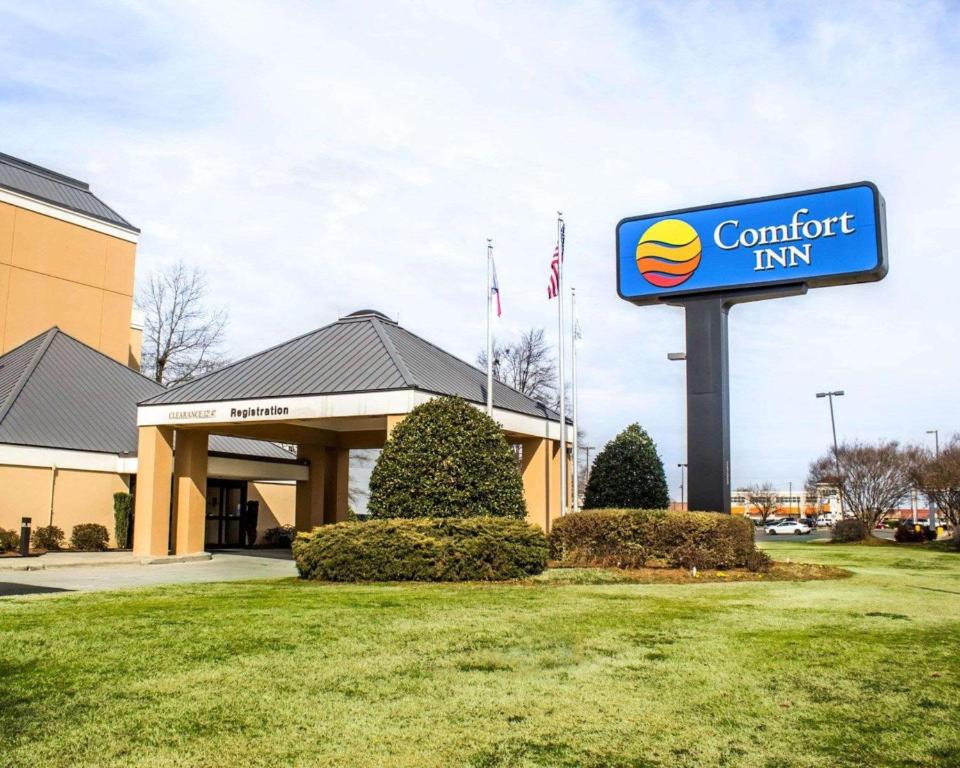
(563,405)
(489,327)
(575,502)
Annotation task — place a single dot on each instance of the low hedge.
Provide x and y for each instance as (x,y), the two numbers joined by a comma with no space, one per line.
(282,536)
(632,538)
(89,537)
(422,549)
(849,529)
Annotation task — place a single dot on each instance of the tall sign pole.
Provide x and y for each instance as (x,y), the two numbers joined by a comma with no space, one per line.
(489,327)
(709,258)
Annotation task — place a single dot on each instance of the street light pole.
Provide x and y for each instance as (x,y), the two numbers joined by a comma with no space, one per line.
(931,502)
(683,468)
(836,449)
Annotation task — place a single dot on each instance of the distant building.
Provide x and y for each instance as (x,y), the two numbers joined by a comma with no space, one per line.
(796,504)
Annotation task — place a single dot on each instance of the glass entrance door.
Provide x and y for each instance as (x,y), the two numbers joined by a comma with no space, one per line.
(225,500)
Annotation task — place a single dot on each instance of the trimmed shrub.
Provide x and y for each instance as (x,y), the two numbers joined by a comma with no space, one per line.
(425,549)
(446,459)
(48,537)
(758,561)
(89,537)
(849,529)
(628,474)
(630,538)
(122,515)
(9,540)
(281,536)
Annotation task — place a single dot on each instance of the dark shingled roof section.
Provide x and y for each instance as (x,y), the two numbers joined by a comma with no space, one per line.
(56,392)
(56,189)
(362,352)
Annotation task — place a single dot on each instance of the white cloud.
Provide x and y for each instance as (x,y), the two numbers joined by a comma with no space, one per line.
(315,159)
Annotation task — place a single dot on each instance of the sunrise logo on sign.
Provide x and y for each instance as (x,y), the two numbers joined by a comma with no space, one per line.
(668,253)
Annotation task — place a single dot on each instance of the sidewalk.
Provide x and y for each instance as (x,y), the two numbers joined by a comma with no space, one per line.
(86,559)
(93,575)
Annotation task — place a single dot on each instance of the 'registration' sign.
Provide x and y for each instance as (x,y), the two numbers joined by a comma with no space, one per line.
(820,237)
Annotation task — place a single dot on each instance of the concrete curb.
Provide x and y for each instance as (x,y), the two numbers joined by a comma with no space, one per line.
(198,557)
(36,564)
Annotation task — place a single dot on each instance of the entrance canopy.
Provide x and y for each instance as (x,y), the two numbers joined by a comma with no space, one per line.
(345,377)
(341,387)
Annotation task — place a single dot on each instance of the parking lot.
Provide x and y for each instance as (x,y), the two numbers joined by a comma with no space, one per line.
(820,534)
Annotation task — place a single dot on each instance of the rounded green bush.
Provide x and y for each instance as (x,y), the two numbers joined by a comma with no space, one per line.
(425,549)
(48,537)
(849,529)
(9,540)
(89,537)
(631,538)
(628,473)
(446,459)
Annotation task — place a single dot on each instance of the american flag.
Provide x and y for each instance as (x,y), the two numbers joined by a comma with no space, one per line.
(494,285)
(554,288)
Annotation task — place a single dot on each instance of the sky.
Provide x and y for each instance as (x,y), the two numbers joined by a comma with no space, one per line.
(318,158)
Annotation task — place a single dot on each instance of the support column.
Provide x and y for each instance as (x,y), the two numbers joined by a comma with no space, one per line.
(535,470)
(393,420)
(190,492)
(708,406)
(555,480)
(336,484)
(151,528)
(310,492)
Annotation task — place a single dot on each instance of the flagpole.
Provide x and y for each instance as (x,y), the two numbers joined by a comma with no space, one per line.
(575,502)
(489,327)
(563,406)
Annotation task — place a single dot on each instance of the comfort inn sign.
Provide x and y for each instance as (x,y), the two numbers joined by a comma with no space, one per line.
(815,238)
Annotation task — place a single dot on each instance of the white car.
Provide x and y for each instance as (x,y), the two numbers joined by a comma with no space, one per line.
(788,526)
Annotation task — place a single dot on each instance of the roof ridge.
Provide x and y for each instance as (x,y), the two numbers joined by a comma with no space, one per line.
(74,209)
(235,363)
(475,368)
(39,170)
(393,353)
(28,369)
(102,354)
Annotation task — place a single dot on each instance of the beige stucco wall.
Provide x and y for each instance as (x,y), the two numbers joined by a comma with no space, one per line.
(79,497)
(136,347)
(277,503)
(56,273)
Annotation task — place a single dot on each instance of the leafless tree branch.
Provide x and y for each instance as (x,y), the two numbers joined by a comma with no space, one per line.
(181,335)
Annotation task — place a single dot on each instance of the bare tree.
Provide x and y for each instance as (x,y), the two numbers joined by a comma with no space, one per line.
(873,479)
(181,334)
(938,477)
(527,365)
(763,498)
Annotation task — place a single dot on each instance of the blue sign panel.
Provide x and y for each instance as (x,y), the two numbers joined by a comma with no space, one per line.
(815,238)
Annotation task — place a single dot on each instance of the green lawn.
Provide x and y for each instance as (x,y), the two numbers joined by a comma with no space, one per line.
(860,671)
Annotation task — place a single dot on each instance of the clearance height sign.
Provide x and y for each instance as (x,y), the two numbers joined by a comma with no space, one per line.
(816,238)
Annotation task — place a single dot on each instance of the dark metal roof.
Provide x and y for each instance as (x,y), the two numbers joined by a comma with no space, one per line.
(362,352)
(56,392)
(56,189)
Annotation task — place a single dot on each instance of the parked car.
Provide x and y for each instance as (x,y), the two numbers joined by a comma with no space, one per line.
(788,526)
